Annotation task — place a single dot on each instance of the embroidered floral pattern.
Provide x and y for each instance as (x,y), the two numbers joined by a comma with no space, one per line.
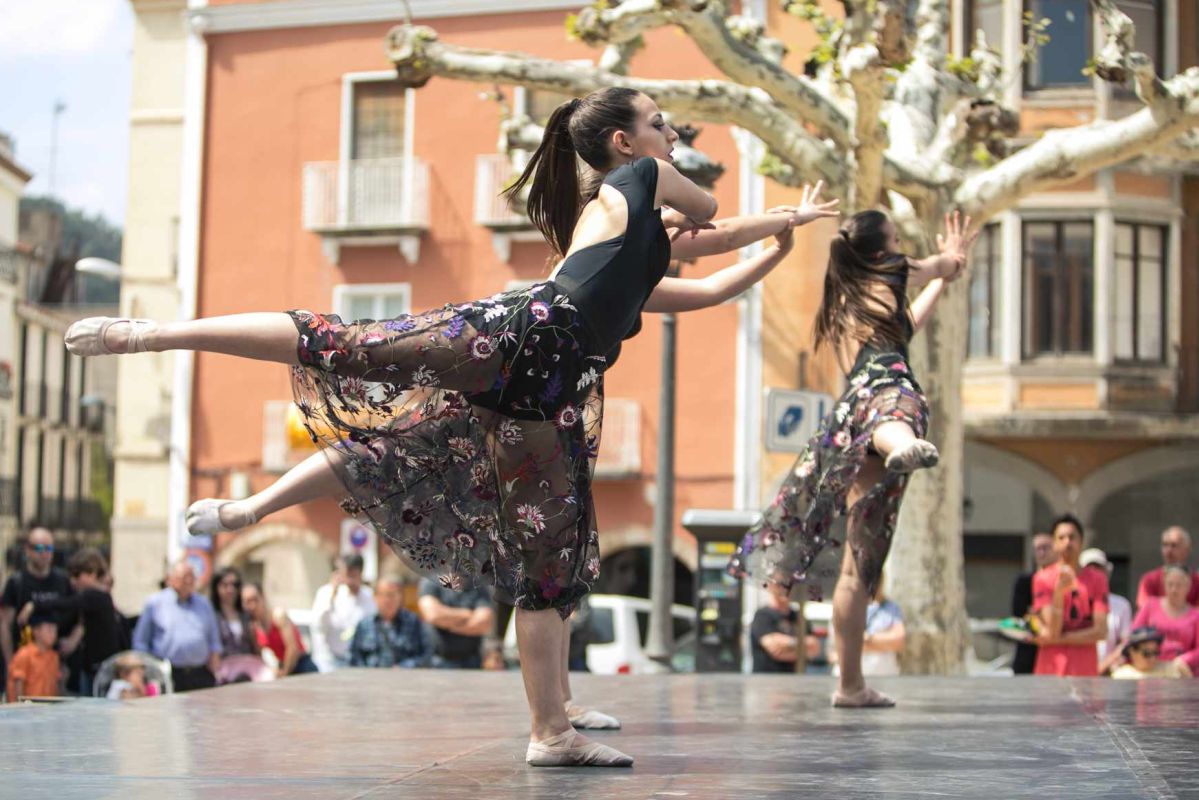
(467,435)
(795,541)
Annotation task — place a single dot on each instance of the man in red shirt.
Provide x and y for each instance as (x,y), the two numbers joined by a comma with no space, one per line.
(1176,550)
(1072,605)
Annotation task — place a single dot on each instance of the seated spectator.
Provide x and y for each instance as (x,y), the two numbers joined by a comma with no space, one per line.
(1176,551)
(1072,605)
(275,632)
(774,634)
(1119,612)
(337,609)
(235,626)
(35,670)
(130,681)
(103,627)
(1142,651)
(884,638)
(459,620)
(393,636)
(1174,619)
(179,626)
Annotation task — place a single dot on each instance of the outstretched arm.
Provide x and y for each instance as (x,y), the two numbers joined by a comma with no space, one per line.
(954,246)
(733,233)
(689,294)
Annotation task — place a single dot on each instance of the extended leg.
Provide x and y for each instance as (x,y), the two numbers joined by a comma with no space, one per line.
(314,477)
(903,450)
(266,336)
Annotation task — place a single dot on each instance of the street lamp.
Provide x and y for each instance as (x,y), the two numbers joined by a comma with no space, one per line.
(659,644)
(101,267)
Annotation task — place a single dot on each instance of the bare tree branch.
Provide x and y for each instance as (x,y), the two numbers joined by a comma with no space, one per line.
(418,56)
(1069,153)
(705,23)
(1118,58)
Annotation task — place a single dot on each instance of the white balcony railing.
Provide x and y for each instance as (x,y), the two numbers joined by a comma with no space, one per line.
(494,172)
(620,442)
(367,201)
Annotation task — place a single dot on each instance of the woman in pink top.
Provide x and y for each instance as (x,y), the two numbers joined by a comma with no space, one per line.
(1174,619)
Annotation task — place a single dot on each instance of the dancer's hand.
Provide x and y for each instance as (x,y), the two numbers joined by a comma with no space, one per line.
(811,207)
(784,240)
(956,242)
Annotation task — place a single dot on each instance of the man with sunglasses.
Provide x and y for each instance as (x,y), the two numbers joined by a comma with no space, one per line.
(1072,603)
(38,580)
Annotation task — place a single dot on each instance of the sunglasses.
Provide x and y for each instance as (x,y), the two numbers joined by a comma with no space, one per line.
(1149,652)
(41,548)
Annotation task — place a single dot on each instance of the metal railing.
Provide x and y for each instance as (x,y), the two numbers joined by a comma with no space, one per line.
(376,194)
(72,514)
(495,172)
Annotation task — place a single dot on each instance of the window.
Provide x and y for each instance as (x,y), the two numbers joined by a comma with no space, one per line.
(986,292)
(1140,303)
(1061,62)
(1058,287)
(985,16)
(372,300)
(378,120)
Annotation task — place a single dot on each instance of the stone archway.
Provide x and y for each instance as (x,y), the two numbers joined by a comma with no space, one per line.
(236,551)
(291,561)
(1143,465)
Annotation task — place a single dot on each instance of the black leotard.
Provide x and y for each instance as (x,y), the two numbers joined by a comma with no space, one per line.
(897,282)
(610,281)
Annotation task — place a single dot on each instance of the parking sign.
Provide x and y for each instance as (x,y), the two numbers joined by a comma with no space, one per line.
(792,417)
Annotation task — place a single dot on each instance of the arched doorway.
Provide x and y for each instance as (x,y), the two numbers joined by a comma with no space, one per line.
(289,561)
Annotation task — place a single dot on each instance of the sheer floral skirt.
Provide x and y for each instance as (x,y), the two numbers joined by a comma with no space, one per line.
(796,540)
(467,435)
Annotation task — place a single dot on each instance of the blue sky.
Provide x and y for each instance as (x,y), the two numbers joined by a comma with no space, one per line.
(79,52)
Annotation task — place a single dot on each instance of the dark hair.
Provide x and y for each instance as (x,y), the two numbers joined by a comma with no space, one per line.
(1070,519)
(87,560)
(857,262)
(577,129)
(217,577)
(353,561)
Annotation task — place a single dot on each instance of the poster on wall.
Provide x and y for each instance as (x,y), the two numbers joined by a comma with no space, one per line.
(361,539)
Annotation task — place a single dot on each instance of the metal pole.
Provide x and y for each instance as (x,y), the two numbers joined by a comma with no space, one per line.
(59,107)
(660,642)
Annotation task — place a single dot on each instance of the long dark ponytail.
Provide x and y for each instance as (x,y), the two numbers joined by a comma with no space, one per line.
(577,129)
(858,262)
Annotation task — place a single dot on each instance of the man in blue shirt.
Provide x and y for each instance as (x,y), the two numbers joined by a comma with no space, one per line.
(394,637)
(179,625)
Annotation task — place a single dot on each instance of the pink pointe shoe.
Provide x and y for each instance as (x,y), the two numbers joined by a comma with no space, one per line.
(561,751)
(863,698)
(590,719)
(86,337)
(917,454)
(204,517)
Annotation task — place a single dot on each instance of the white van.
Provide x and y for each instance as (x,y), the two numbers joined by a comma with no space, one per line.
(619,626)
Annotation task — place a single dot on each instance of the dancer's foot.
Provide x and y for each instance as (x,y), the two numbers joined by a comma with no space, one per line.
(917,454)
(590,719)
(105,336)
(206,517)
(570,749)
(863,698)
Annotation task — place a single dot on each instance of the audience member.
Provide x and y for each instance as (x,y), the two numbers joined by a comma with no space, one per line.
(493,657)
(1176,551)
(103,628)
(130,681)
(393,636)
(459,620)
(234,624)
(774,634)
(1042,556)
(38,579)
(885,636)
(1119,611)
(35,670)
(179,626)
(1142,651)
(276,633)
(1174,619)
(1072,605)
(336,611)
